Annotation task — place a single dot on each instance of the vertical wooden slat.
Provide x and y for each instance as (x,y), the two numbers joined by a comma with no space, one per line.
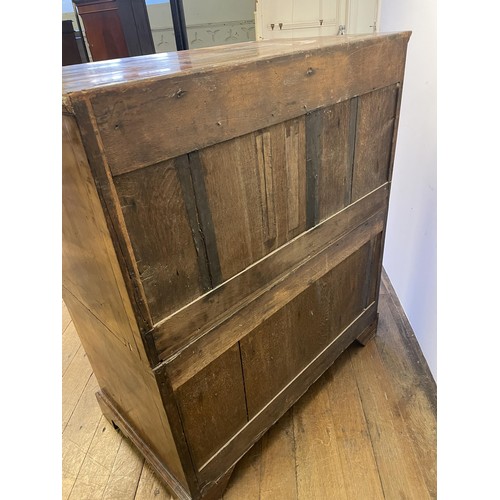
(374,138)
(229,173)
(186,182)
(314,124)
(205,218)
(275,352)
(334,168)
(292,137)
(159,226)
(212,405)
(265,173)
(247,187)
(353,120)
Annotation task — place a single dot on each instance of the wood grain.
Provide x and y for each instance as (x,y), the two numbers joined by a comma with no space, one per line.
(150,486)
(130,385)
(332,441)
(256,427)
(157,221)
(66,318)
(221,251)
(113,415)
(329,162)
(392,445)
(277,469)
(217,340)
(212,405)
(278,350)
(90,268)
(288,85)
(97,465)
(70,346)
(271,463)
(246,180)
(210,309)
(102,194)
(374,136)
(79,431)
(416,390)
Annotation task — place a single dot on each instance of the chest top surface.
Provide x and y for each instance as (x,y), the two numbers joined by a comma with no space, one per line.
(133,70)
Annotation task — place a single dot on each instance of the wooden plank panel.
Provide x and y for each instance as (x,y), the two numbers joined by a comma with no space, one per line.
(212,405)
(90,269)
(374,136)
(131,386)
(295,195)
(329,162)
(207,311)
(231,177)
(275,352)
(333,446)
(235,327)
(287,86)
(247,181)
(157,220)
(400,469)
(265,176)
(205,224)
(415,389)
(314,129)
(375,272)
(288,156)
(334,167)
(256,427)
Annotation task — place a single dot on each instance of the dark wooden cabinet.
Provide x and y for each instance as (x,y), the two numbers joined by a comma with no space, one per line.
(223,224)
(116,28)
(103,29)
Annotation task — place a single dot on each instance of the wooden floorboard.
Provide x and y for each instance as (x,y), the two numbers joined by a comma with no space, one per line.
(365,430)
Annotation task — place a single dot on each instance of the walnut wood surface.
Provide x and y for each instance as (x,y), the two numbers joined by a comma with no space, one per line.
(321,448)
(210,309)
(223,234)
(160,231)
(297,80)
(91,270)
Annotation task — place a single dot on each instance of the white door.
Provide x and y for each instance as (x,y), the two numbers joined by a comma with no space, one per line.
(362,16)
(298,18)
(312,18)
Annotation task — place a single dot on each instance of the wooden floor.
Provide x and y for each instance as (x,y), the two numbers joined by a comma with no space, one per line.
(365,430)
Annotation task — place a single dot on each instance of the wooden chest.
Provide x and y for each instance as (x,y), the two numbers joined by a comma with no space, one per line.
(223,225)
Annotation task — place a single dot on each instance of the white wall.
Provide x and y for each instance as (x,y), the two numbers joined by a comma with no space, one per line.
(410,248)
